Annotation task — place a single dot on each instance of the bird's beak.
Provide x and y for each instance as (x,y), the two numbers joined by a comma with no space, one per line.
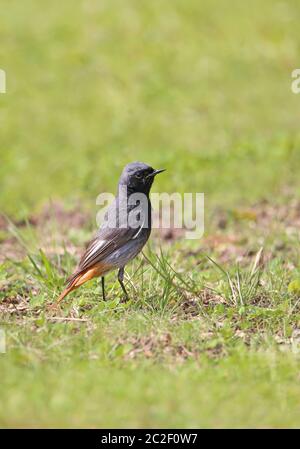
(155,172)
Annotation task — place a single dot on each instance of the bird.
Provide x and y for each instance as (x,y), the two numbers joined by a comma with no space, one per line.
(124,232)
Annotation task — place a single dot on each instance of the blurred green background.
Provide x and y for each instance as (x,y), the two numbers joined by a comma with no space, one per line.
(202,88)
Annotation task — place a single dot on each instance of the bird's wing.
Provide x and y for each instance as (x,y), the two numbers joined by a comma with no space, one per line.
(111,237)
(106,242)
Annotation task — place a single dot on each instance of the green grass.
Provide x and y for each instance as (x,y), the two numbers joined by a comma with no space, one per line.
(210,347)
(210,337)
(93,392)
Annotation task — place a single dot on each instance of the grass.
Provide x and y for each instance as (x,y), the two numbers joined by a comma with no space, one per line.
(209,344)
(210,337)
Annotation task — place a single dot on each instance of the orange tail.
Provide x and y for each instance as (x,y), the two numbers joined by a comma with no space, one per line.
(65,293)
(80,278)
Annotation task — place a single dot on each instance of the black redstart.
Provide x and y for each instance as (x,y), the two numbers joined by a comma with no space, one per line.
(126,229)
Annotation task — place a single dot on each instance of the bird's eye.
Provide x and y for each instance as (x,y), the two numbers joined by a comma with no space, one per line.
(138,176)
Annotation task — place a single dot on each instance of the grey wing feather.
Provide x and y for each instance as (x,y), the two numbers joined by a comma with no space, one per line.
(111,241)
(107,241)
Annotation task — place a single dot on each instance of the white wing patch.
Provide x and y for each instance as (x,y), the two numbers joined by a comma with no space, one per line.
(139,230)
(96,247)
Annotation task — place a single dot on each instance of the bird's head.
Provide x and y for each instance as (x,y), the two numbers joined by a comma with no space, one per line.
(138,177)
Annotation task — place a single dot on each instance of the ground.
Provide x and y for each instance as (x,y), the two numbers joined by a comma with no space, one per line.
(211,335)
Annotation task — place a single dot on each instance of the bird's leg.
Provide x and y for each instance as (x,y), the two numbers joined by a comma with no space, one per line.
(103,288)
(120,279)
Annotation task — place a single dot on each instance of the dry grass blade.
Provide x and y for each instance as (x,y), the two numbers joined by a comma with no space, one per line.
(258,262)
